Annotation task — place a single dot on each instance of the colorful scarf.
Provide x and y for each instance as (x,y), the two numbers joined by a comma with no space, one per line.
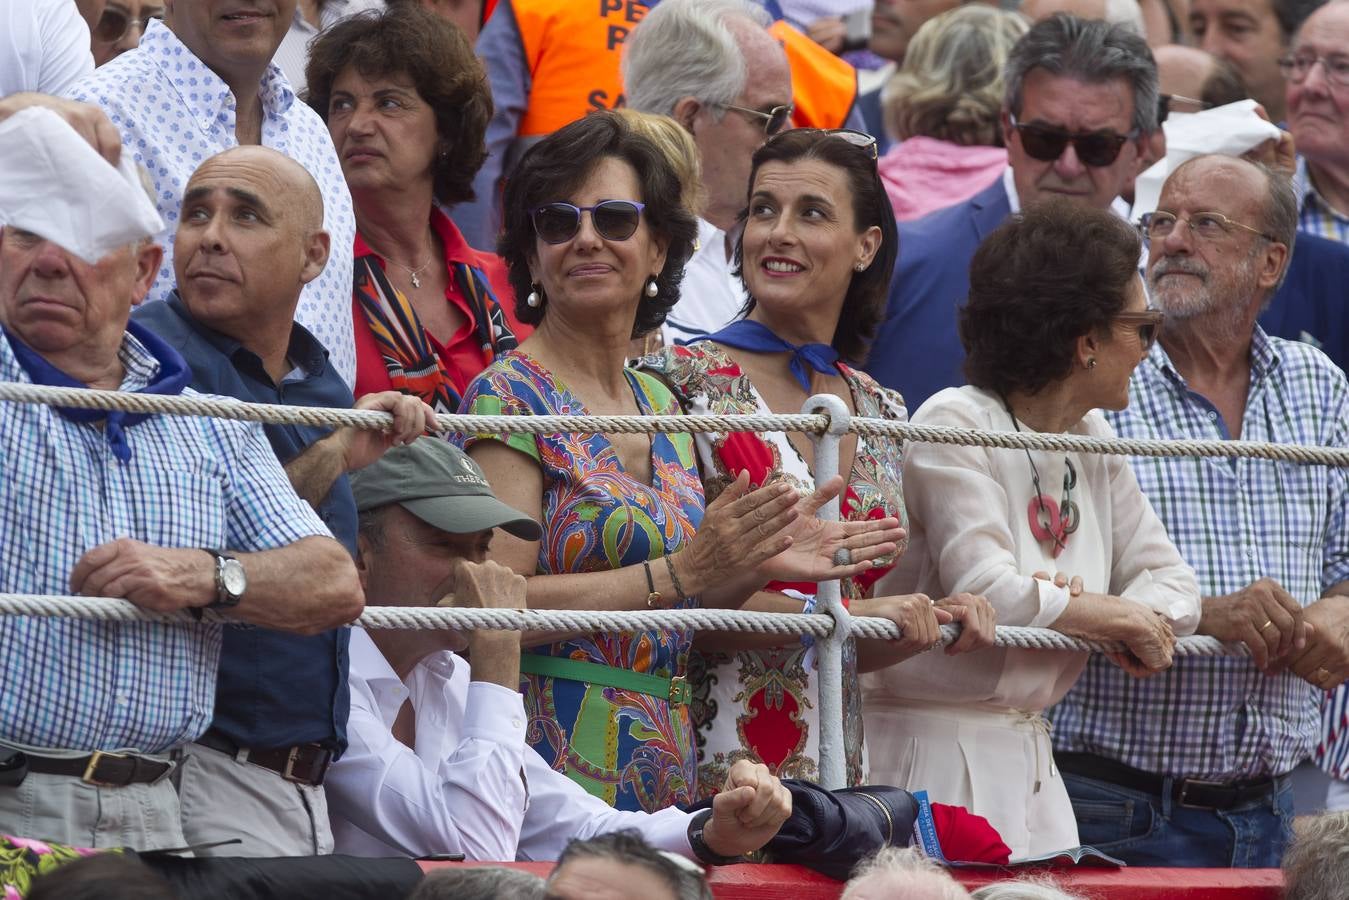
(414,366)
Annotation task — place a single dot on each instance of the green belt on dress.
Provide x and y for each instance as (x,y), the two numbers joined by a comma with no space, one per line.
(675,690)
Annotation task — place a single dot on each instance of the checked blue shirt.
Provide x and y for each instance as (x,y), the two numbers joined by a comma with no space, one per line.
(1234,521)
(190,482)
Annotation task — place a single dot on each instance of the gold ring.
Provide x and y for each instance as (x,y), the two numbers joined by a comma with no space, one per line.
(1323,674)
(1268,622)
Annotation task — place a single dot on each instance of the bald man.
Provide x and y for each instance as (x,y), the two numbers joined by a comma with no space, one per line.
(249,239)
(1186,74)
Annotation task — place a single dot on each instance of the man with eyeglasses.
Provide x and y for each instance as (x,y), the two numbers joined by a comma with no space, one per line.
(1190,767)
(1081,104)
(1316,68)
(44,44)
(738,96)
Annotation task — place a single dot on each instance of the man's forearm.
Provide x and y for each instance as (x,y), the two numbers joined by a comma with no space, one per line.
(494,657)
(307,587)
(314,471)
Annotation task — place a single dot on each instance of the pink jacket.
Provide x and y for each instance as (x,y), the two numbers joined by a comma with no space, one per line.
(924,174)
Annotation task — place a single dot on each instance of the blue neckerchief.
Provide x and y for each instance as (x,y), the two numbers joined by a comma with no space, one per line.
(747,334)
(174,375)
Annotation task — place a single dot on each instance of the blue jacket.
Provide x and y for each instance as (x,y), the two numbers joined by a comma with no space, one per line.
(917,350)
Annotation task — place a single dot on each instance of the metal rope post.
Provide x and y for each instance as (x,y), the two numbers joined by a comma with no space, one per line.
(829,650)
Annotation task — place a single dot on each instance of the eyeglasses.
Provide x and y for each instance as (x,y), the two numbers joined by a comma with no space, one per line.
(1149,322)
(1164,102)
(114,23)
(614,220)
(1094,148)
(774,120)
(1296,68)
(1208,226)
(859,139)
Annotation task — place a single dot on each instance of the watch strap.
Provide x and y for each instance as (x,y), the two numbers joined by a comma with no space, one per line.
(698,844)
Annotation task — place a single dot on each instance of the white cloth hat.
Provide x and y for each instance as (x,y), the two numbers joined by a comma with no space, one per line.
(56,185)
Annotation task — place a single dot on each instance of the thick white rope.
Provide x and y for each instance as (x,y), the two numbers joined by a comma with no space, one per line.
(197,405)
(108,609)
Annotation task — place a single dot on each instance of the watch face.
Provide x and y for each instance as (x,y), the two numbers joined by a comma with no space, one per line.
(233,578)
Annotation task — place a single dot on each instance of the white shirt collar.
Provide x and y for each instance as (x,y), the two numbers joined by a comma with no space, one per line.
(387,688)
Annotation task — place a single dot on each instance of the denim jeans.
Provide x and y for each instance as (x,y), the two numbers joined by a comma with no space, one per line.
(1148,830)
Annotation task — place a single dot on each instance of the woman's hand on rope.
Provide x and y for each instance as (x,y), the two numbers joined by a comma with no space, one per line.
(1150,640)
(919,622)
(815,545)
(978,622)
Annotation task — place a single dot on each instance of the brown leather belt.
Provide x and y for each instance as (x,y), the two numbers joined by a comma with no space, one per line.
(305,764)
(1187,792)
(102,769)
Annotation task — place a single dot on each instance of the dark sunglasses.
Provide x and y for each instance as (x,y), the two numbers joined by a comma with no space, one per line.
(1149,321)
(774,120)
(614,220)
(114,23)
(1094,148)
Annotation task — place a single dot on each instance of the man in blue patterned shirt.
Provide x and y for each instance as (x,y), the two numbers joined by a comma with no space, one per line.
(1191,767)
(168,512)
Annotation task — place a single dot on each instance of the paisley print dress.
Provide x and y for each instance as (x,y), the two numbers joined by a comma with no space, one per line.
(633,750)
(762,704)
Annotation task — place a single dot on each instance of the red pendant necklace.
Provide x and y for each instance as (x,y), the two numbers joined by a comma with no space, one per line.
(1050,520)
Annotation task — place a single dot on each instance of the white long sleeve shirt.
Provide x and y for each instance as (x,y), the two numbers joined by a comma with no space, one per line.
(44,46)
(471,785)
(969,530)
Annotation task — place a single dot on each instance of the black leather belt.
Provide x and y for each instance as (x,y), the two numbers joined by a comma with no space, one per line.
(1188,792)
(304,764)
(101,769)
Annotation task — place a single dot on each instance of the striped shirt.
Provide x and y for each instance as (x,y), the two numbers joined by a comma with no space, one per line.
(191,482)
(1316,216)
(1234,521)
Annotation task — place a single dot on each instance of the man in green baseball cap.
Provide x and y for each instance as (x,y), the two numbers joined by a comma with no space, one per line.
(437,761)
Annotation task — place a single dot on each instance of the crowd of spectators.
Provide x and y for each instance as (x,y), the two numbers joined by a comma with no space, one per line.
(524,208)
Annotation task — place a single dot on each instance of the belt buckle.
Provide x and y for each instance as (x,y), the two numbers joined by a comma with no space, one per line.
(680,693)
(1181,799)
(94,759)
(316,771)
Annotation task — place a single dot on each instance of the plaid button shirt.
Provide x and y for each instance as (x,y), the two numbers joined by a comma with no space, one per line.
(191,482)
(1235,521)
(1316,216)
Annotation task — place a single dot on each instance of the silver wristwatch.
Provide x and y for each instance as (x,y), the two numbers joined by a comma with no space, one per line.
(230,581)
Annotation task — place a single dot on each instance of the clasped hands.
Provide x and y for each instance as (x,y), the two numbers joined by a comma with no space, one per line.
(1311,642)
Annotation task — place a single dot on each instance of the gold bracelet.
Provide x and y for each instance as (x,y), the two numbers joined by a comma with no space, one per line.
(653,598)
(679,588)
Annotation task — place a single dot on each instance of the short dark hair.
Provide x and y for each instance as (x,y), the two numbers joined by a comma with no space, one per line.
(561,163)
(107,876)
(864,303)
(1088,50)
(408,40)
(1223,85)
(1292,13)
(1045,277)
(628,847)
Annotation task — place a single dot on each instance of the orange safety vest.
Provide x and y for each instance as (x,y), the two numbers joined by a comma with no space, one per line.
(572,49)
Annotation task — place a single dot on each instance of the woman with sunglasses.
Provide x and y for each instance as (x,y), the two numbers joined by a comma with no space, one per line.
(818,244)
(595,240)
(120,27)
(407,105)
(1055,323)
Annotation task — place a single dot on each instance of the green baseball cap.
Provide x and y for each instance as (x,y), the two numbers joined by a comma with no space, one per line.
(439,484)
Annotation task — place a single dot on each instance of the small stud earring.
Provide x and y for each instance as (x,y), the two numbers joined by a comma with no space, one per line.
(1091,363)
(860,267)
(533,300)
(652,289)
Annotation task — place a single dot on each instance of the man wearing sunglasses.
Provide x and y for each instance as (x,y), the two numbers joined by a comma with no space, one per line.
(1191,767)
(44,44)
(1081,104)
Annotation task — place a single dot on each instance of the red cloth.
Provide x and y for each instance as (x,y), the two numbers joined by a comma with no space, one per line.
(965,837)
(463,357)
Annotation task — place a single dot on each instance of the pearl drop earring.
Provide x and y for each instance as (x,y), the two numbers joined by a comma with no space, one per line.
(652,289)
(533,300)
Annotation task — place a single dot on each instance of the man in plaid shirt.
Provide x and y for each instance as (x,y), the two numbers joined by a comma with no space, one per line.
(1191,767)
